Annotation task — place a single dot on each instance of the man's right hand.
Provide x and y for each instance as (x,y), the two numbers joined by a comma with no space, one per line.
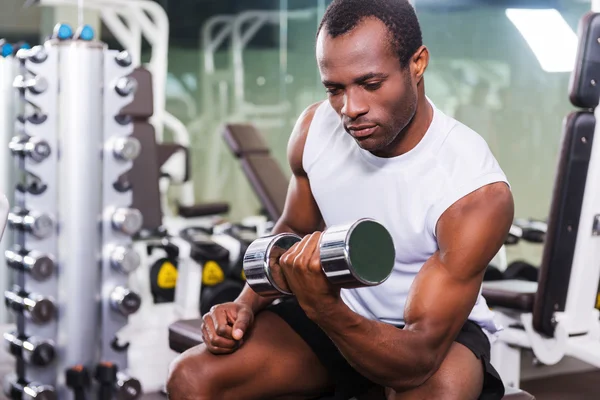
(224,327)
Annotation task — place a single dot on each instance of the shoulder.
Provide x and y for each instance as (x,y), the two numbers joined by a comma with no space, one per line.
(298,138)
(462,152)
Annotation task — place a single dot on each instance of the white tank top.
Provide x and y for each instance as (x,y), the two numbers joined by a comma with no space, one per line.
(407,194)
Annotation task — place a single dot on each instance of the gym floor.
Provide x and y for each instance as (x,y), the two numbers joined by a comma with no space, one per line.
(579,386)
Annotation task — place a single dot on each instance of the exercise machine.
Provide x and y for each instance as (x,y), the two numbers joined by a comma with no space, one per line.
(556,316)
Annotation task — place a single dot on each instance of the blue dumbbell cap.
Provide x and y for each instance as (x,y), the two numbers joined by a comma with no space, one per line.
(26,46)
(63,31)
(86,32)
(7,49)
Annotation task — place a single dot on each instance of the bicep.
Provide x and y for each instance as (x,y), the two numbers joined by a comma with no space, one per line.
(301,213)
(470,233)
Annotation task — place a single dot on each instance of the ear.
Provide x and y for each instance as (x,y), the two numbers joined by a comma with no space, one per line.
(419,63)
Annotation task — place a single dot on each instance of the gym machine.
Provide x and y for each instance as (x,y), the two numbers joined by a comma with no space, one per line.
(72,220)
(556,316)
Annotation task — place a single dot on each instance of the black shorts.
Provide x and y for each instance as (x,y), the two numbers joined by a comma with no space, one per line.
(349,382)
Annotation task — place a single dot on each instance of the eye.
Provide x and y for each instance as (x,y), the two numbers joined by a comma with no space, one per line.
(332,91)
(373,86)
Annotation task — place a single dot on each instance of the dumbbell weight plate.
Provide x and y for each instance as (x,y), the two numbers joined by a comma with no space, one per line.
(262,275)
(357,255)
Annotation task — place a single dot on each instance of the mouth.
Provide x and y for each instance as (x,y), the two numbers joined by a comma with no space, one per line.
(362,132)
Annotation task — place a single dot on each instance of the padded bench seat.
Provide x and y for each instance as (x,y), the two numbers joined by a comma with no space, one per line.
(186,334)
(513,294)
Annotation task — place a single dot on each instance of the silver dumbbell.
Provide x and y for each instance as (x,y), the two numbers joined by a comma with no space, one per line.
(123,59)
(38,224)
(127,148)
(36,85)
(124,259)
(127,388)
(125,86)
(352,255)
(36,308)
(127,220)
(17,389)
(125,301)
(32,350)
(38,265)
(36,54)
(35,148)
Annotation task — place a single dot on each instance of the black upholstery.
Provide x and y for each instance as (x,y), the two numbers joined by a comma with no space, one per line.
(583,93)
(514,294)
(185,334)
(563,223)
(144,176)
(263,172)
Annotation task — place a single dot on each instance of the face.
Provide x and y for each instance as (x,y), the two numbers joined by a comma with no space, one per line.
(374,95)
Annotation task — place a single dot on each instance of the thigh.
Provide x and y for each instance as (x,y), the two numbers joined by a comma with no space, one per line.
(460,377)
(273,362)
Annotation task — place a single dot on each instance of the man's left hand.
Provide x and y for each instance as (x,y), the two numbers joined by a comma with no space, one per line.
(301,266)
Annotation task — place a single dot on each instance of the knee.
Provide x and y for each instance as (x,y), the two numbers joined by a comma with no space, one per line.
(191,377)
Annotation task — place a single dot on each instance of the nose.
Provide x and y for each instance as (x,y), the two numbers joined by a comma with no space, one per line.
(354,105)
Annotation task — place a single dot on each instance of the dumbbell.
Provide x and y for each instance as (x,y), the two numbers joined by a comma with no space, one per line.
(125,301)
(127,388)
(18,389)
(38,265)
(32,350)
(33,147)
(354,255)
(36,308)
(124,259)
(38,224)
(127,220)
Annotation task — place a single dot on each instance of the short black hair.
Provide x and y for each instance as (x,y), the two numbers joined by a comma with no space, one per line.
(399,16)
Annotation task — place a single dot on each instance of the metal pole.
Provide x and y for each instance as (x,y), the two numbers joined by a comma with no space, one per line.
(80,202)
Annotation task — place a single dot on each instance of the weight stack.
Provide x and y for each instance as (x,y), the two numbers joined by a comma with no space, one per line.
(72,222)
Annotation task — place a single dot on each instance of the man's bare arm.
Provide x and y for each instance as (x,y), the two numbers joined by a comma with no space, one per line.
(442,296)
(301,214)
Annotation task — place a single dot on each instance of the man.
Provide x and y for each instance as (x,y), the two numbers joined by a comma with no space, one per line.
(377,148)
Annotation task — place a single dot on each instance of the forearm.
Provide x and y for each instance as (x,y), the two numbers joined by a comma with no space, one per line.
(397,358)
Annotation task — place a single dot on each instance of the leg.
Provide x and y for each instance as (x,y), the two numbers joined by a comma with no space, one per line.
(273,362)
(460,377)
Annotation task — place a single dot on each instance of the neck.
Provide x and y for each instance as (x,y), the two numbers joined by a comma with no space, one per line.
(412,134)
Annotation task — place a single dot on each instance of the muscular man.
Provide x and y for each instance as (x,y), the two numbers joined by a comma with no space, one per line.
(378,148)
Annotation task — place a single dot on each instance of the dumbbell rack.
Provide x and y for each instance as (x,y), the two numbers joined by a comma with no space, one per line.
(71,222)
